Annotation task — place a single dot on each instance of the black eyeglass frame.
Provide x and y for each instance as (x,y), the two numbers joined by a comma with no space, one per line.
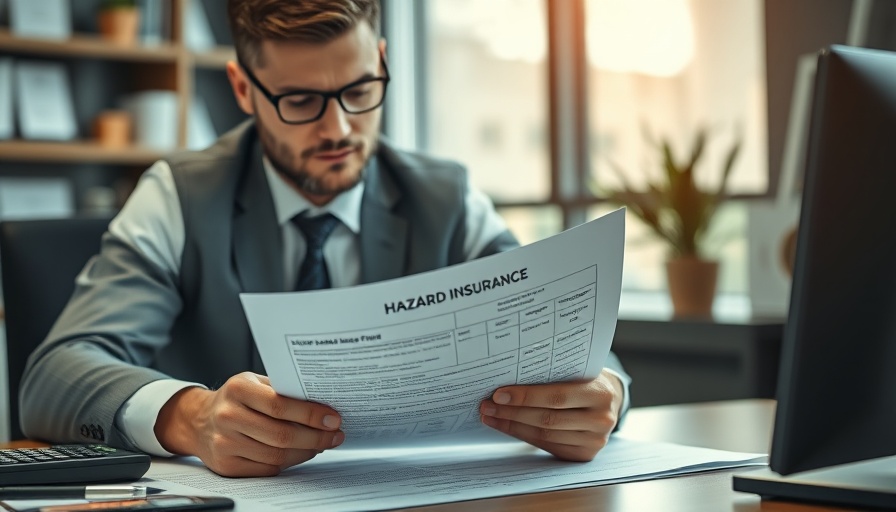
(275,98)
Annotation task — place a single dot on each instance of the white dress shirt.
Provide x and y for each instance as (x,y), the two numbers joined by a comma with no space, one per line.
(152,224)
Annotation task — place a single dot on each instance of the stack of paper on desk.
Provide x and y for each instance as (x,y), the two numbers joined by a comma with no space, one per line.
(347,480)
(406,363)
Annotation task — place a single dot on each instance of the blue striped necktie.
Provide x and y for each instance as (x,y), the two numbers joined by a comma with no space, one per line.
(313,274)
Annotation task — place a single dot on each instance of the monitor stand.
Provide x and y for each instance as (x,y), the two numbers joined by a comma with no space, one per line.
(870,483)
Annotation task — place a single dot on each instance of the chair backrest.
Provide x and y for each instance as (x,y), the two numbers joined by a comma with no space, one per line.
(39,260)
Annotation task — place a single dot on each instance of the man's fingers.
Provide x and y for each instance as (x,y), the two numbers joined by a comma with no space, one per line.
(257,459)
(571,420)
(570,445)
(295,436)
(553,419)
(281,458)
(240,467)
(245,428)
(558,395)
(286,434)
(251,391)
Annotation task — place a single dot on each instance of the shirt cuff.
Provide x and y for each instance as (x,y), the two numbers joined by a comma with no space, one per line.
(137,416)
(626,401)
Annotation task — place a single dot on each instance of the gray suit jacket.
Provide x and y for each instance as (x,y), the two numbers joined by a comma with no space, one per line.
(129,323)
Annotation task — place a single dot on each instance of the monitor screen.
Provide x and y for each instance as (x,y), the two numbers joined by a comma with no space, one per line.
(837,382)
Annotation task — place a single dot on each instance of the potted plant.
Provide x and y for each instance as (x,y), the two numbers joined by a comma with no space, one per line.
(679,212)
(119,21)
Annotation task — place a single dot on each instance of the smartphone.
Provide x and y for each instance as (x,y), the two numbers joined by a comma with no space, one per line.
(164,502)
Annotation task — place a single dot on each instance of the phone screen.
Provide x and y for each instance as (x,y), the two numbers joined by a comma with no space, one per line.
(167,503)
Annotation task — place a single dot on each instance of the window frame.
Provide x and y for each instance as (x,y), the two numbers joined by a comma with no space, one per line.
(405,25)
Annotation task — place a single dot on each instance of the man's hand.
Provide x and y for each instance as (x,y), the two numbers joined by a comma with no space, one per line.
(245,428)
(571,420)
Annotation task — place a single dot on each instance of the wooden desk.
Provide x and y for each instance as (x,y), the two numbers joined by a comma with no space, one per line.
(739,425)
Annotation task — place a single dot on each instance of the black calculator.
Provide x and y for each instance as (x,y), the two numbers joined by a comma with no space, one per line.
(70,464)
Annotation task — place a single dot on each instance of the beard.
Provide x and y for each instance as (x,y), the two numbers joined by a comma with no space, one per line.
(295,170)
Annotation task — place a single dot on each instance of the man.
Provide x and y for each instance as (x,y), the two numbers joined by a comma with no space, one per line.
(153,351)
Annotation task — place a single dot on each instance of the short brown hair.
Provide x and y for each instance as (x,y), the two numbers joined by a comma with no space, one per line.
(307,21)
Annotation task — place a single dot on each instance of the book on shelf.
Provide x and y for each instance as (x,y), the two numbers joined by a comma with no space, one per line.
(36,198)
(197,31)
(7,124)
(155,22)
(43,19)
(155,118)
(44,101)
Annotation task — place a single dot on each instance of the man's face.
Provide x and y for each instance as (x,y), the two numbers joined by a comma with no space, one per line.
(323,158)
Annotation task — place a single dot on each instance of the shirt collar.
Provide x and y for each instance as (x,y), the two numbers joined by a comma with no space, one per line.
(288,203)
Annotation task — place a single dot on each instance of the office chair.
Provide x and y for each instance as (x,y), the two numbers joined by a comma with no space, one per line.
(39,260)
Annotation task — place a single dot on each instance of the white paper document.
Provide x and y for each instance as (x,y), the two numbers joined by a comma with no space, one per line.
(44,100)
(44,19)
(349,480)
(7,120)
(36,198)
(406,362)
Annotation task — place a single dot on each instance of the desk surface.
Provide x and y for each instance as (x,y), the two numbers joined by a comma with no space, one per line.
(739,425)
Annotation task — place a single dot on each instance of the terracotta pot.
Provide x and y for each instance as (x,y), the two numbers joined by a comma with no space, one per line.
(119,26)
(112,128)
(692,286)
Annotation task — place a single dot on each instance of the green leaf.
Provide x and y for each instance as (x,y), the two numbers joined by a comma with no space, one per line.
(729,164)
(697,150)
(675,208)
(118,4)
(669,164)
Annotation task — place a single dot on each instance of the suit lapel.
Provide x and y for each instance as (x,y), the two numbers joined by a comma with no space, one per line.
(383,233)
(257,243)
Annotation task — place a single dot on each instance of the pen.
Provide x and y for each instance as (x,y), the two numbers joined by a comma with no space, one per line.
(88,492)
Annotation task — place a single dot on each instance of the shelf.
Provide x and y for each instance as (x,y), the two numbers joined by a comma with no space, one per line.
(216,58)
(82,152)
(86,46)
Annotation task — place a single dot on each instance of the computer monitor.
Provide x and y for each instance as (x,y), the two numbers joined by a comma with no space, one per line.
(837,383)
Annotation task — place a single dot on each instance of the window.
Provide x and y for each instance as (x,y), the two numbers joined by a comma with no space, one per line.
(487,97)
(671,66)
(685,64)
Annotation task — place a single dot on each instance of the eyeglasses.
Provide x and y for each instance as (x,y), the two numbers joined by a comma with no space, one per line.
(307,105)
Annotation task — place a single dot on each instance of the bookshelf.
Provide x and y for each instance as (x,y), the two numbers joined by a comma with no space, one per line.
(216,58)
(86,46)
(80,152)
(101,73)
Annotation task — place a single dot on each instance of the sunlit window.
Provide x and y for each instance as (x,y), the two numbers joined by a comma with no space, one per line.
(649,37)
(531,224)
(487,94)
(667,68)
